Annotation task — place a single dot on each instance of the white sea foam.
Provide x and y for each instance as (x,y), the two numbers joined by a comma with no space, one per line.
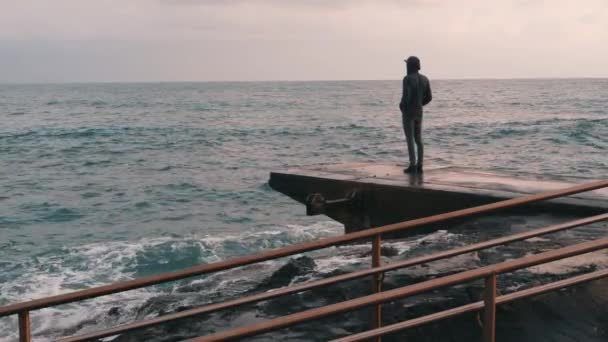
(599,259)
(101,263)
(332,263)
(332,259)
(71,269)
(95,264)
(537,239)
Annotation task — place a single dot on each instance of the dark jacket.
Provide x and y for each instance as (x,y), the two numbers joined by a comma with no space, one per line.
(416,93)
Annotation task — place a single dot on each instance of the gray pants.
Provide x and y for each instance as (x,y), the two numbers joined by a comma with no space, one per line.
(412,126)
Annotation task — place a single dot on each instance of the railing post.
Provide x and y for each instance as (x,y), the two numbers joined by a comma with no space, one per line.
(489,312)
(24,327)
(377,283)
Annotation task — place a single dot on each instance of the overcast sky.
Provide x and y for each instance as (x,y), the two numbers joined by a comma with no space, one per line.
(207,40)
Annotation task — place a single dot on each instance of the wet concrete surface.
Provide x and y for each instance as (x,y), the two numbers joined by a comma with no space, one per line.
(383,194)
(518,183)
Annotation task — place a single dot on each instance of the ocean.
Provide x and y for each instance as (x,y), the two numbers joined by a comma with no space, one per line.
(108,182)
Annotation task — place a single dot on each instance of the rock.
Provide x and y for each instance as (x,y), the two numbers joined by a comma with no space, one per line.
(544,318)
(157,306)
(386,251)
(115,311)
(389,251)
(183,308)
(285,275)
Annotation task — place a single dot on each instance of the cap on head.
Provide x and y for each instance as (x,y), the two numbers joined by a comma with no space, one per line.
(413,61)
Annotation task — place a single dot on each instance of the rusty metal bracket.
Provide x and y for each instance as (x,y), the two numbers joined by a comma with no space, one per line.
(316,204)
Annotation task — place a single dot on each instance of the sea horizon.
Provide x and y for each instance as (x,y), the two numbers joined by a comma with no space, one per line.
(304,81)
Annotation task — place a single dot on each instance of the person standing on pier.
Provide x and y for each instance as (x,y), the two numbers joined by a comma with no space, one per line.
(416,94)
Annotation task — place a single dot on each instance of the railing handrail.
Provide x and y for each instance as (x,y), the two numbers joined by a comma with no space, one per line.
(533,291)
(410,290)
(336,279)
(289,250)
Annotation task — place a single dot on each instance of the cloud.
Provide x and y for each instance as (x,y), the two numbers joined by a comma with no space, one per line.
(288,39)
(323,4)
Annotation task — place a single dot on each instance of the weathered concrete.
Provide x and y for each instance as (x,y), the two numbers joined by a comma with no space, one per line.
(384,194)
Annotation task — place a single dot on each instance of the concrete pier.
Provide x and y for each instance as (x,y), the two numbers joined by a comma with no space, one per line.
(363,195)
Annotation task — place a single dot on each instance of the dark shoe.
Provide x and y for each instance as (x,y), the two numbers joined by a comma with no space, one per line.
(419,169)
(410,169)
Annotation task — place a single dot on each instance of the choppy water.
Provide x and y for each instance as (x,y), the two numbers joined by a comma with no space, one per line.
(107,182)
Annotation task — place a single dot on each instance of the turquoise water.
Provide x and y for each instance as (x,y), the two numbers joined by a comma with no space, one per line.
(107,182)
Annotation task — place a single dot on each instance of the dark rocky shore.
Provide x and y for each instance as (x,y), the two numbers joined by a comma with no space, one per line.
(579,313)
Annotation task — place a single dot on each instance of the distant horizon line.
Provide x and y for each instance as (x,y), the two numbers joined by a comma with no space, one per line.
(302,81)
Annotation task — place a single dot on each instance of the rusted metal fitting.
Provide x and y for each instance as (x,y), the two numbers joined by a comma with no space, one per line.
(316,204)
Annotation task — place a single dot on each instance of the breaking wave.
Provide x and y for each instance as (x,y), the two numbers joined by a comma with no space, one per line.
(79,267)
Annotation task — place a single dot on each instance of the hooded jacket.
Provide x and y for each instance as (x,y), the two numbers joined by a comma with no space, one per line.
(416,94)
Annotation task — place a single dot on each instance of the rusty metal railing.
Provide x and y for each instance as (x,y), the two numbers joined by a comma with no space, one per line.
(488,273)
(23,309)
(340,278)
(534,291)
